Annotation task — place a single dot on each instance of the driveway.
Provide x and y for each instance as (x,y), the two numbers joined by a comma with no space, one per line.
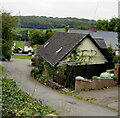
(19,70)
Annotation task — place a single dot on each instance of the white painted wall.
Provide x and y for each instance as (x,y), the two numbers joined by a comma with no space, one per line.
(87,44)
(27,48)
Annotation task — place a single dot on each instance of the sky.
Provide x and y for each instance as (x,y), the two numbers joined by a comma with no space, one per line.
(89,9)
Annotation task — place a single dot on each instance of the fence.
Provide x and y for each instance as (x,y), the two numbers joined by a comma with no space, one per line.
(86,71)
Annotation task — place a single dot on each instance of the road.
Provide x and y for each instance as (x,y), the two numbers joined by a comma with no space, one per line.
(19,70)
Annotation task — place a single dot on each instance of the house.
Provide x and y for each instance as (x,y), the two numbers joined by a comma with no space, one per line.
(73,47)
(110,38)
(27,47)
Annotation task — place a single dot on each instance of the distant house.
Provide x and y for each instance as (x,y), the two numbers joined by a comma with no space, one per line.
(111,38)
(80,48)
(27,47)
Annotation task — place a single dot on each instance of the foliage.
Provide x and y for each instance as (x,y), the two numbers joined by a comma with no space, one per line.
(44,71)
(114,78)
(102,25)
(48,34)
(18,103)
(82,56)
(112,25)
(116,59)
(8,24)
(43,22)
(111,53)
(36,37)
(82,27)
(94,77)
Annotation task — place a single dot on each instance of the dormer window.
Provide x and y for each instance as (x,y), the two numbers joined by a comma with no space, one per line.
(46,44)
(59,50)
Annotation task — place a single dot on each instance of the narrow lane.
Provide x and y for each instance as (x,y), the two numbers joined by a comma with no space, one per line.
(19,70)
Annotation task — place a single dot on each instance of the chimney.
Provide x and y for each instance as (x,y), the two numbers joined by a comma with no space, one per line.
(94,29)
(67,28)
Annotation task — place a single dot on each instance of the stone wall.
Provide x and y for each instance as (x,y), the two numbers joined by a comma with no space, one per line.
(96,84)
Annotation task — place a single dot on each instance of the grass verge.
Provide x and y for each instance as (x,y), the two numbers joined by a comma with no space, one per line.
(21,57)
(18,103)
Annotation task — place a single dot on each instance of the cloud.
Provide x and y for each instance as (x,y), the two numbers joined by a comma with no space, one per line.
(92,9)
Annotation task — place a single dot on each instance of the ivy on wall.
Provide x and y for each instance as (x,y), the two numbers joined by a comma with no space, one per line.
(82,56)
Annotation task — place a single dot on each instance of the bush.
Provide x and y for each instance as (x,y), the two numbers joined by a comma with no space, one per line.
(94,77)
(114,78)
(18,103)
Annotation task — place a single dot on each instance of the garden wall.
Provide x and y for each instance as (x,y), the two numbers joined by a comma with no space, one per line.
(95,84)
(86,71)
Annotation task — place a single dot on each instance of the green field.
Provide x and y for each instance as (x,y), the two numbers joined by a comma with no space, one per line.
(21,57)
(22,29)
(20,44)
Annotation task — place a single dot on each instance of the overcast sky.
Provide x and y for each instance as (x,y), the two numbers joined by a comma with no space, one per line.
(91,9)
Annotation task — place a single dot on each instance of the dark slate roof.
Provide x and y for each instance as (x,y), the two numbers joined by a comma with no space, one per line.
(111,38)
(101,43)
(60,44)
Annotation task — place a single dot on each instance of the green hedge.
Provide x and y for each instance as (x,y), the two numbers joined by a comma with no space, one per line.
(18,103)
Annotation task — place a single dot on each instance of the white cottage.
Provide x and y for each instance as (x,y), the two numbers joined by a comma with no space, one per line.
(27,47)
(75,47)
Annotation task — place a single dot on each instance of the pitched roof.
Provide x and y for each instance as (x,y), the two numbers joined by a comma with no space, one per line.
(101,43)
(111,38)
(60,44)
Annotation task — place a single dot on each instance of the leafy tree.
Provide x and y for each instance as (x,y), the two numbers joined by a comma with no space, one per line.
(8,24)
(48,34)
(111,53)
(102,25)
(113,24)
(37,37)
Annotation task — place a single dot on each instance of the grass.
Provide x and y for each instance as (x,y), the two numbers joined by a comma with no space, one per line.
(21,57)
(1,70)
(22,29)
(20,44)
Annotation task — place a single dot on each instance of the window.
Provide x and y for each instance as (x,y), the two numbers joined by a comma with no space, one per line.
(46,44)
(59,50)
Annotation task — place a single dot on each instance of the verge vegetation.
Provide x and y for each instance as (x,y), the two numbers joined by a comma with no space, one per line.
(18,103)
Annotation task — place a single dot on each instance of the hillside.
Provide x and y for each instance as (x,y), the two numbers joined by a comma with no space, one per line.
(43,22)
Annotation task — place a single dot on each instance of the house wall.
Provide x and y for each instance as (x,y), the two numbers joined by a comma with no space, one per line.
(27,48)
(87,44)
(88,53)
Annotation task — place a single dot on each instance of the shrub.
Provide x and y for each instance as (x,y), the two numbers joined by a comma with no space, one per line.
(18,103)
(94,77)
(114,78)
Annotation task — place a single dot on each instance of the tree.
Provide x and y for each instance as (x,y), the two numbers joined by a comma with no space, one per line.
(37,37)
(8,24)
(102,25)
(48,34)
(113,24)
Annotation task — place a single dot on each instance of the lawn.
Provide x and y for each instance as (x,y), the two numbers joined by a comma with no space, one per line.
(20,44)
(21,57)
